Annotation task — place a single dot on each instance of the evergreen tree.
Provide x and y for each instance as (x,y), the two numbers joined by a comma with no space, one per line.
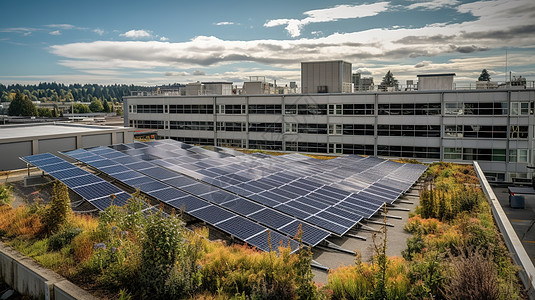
(59,209)
(485,76)
(21,106)
(106,106)
(96,106)
(389,80)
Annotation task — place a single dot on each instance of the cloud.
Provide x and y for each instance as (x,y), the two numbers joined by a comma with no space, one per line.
(224,23)
(502,24)
(98,31)
(339,12)
(176,74)
(61,26)
(198,73)
(422,64)
(55,32)
(21,30)
(136,34)
(163,39)
(433,5)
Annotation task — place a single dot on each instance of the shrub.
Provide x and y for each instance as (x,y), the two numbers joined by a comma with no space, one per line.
(62,238)
(19,222)
(5,194)
(59,209)
(473,277)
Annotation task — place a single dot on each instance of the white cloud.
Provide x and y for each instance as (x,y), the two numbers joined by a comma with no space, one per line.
(61,26)
(55,32)
(136,34)
(98,31)
(163,39)
(224,23)
(338,12)
(434,4)
(497,24)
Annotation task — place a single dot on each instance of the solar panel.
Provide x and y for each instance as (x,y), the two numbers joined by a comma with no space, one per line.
(241,227)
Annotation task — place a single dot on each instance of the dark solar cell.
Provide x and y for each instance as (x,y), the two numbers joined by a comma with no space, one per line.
(180,181)
(36,157)
(199,188)
(125,160)
(57,167)
(250,188)
(152,186)
(114,169)
(303,207)
(188,203)
(239,191)
(140,165)
(242,206)
(119,147)
(349,214)
(127,175)
(241,228)
(290,188)
(167,194)
(97,190)
(219,196)
(81,180)
(159,173)
(46,160)
(325,224)
(113,155)
(312,202)
(284,194)
(212,214)
(261,241)
(65,174)
(271,218)
(292,211)
(102,163)
(336,219)
(310,235)
(137,145)
(136,182)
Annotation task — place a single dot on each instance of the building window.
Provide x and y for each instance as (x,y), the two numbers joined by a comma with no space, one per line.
(520,109)
(476,131)
(312,147)
(191,109)
(132,108)
(148,124)
(454,109)
(483,154)
(335,148)
(192,125)
(149,109)
(290,127)
(335,109)
(358,129)
(358,109)
(408,130)
(335,129)
(231,143)
(495,176)
(230,126)
(357,149)
(268,109)
(408,151)
(265,145)
(323,89)
(312,128)
(265,127)
(312,109)
(194,141)
(231,109)
(290,146)
(519,155)
(453,153)
(290,109)
(518,132)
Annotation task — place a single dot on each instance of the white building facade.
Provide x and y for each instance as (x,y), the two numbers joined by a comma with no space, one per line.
(494,127)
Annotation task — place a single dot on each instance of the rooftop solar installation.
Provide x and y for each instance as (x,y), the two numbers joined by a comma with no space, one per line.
(194,203)
(92,188)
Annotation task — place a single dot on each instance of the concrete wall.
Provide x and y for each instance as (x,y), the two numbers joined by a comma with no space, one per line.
(10,162)
(28,278)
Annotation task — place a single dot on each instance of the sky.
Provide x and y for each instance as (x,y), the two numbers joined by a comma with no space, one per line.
(164,42)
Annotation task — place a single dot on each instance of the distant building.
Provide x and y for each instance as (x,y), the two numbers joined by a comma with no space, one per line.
(362,83)
(22,140)
(217,88)
(194,89)
(326,77)
(435,82)
(257,85)
(485,85)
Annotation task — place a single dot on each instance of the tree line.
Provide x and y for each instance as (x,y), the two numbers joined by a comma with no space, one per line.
(59,92)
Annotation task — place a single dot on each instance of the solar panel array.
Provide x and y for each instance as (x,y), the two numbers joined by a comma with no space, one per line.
(94,189)
(216,207)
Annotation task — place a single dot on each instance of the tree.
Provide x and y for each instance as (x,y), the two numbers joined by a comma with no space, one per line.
(21,106)
(59,210)
(485,76)
(389,80)
(44,112)
(96,106)
(106,106)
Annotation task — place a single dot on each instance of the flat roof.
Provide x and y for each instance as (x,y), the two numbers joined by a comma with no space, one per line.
(36,130)
(436,75)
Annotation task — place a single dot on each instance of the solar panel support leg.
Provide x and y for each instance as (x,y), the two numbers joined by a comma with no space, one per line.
(398,208)
(317,265)
(355,236)
(405,202)
(380,223)
(391,216)
(368,228)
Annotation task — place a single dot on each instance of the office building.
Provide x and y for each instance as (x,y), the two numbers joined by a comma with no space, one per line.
(494,127)
(326,77)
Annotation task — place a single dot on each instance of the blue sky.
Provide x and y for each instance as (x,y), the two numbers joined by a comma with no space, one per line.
(160,42)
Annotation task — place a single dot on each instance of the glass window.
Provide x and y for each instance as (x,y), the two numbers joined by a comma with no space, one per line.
(335,129)
(453,108)
(290,109)
(335,148)
(335,109)
(290,127)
